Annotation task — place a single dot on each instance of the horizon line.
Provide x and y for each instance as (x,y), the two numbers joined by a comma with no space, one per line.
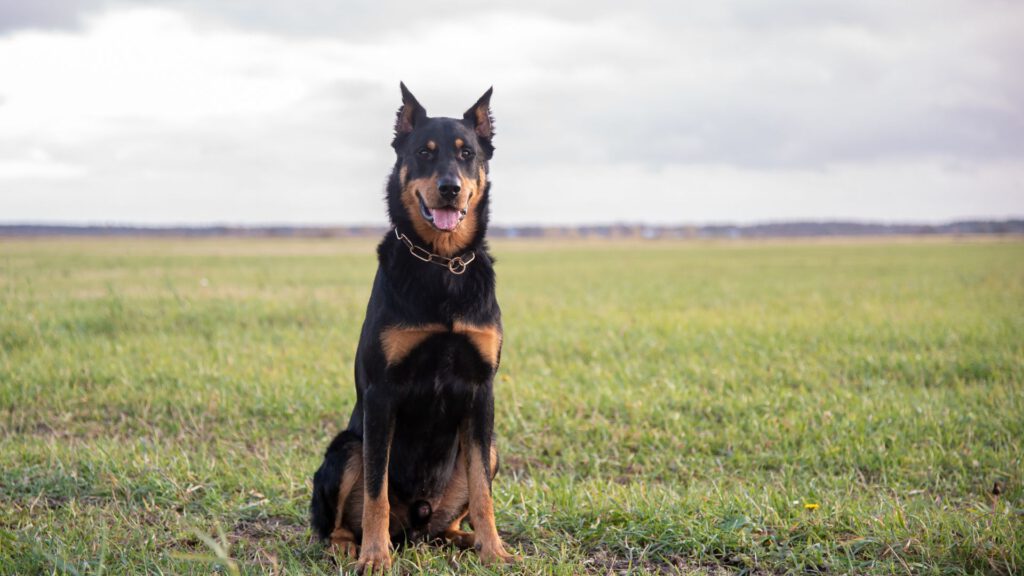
(607,223)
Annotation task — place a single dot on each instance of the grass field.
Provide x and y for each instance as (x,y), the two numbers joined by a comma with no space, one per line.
(674,408)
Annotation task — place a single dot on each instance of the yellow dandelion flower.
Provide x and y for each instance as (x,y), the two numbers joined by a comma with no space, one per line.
(811,506)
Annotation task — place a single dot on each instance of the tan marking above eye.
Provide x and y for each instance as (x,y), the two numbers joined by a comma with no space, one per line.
(459,142)
(431,145)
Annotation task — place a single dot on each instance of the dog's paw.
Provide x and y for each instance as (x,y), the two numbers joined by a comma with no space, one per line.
(343,549)
(343,544)
(495,554)
(374,560)
(460,539)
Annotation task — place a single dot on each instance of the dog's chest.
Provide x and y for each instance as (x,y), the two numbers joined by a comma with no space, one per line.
(431,352)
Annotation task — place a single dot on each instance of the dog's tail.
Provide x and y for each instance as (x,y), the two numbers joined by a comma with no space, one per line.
(327,481)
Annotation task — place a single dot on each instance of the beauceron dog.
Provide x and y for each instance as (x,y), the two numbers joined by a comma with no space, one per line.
(418,454)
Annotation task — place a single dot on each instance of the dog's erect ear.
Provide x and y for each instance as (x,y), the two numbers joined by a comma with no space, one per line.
(409,115)
(479,116)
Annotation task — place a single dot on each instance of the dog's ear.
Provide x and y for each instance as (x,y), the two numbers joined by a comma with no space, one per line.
(409,115)
(479,116)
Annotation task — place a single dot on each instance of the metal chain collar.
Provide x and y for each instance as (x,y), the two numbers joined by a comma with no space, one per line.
(456,265)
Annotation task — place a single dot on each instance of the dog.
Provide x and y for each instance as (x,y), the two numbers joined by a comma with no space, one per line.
(418,455)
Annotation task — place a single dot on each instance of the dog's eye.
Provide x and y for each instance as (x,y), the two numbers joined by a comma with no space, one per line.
(466,153)
(424,154)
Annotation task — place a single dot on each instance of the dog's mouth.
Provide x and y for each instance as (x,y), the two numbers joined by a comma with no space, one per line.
(445,218)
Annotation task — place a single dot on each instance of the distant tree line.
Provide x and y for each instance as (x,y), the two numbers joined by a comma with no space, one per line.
(767,230)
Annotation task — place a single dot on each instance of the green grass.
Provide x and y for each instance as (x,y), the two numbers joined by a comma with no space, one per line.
(661,407)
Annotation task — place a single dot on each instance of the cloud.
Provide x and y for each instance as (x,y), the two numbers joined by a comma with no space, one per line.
(218,111)
(901,192)
(45,14)
(38,165)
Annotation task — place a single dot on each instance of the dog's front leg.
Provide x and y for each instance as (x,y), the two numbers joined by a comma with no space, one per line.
(476,443)
(378,427)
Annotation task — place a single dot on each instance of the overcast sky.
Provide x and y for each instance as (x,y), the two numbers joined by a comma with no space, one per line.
(219,111)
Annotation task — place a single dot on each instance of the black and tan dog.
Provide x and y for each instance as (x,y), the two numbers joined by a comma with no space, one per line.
(418,454)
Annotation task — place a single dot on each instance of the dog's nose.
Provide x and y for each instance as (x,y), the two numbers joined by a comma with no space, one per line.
(449,188)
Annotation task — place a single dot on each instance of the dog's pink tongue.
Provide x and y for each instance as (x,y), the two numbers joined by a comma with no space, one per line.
(445,218)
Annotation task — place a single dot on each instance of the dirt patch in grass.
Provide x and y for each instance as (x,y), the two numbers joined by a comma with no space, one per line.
(516,466)
(275,528)
(606,563)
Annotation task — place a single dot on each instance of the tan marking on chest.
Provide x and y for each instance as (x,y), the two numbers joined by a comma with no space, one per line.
(399,341)
(486,339)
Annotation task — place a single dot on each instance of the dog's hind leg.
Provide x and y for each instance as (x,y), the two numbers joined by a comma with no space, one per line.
(335,514)
(343,540)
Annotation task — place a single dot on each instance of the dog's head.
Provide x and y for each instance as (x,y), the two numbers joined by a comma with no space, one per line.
(439,185)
